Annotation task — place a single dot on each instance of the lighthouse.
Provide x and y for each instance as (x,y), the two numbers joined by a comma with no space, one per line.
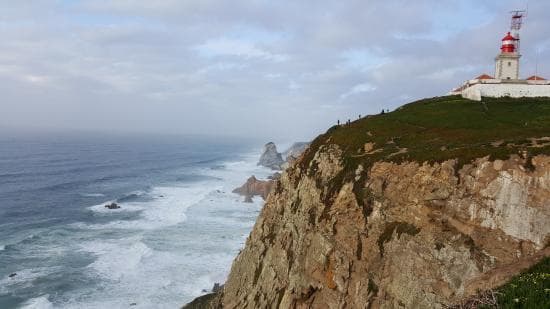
(506,82)
(507,62)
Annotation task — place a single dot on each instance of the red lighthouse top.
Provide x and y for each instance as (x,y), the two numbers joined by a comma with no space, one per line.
(508,44)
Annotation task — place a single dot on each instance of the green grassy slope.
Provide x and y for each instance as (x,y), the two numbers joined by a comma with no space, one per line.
(528,290)
(436,130)
(439,129)
(443,128)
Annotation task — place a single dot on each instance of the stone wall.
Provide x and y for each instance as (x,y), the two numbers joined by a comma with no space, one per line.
(476,92)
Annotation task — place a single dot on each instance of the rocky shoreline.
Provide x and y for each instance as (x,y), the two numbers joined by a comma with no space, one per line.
(272,159)
(376,214)
(253,187)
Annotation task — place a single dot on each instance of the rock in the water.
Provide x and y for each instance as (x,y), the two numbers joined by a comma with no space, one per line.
(217,287)
(12,275)
(270,157)
(254,187)
(112,206)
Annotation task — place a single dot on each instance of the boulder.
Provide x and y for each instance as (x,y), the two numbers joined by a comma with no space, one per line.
(112,206)
(217,287)
(270,157)
(254,187)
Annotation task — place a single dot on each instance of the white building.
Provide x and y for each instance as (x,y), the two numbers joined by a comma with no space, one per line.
(506,82)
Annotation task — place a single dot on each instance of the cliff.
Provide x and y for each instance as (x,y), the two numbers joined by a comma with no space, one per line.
(295,150)
(418,208)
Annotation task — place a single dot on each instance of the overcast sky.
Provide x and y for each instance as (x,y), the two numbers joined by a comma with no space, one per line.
(269,69)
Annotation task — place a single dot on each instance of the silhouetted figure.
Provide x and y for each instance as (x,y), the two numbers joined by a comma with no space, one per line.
(338,121)
(383,112)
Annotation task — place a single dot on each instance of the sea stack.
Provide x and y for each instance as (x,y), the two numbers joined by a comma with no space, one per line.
(271,158)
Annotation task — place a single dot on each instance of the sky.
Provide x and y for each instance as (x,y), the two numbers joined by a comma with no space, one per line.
(285,69)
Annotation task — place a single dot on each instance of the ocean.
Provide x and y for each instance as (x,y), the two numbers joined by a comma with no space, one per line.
(177,231)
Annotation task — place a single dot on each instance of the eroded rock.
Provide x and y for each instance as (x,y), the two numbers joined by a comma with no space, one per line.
(411,235)
(254,187)
(270,157)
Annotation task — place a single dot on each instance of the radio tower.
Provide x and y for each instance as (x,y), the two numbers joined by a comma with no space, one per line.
(517,22)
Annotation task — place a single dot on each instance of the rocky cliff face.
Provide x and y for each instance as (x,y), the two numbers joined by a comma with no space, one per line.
(270,157)
(399,235)
(418,208)
(295,150)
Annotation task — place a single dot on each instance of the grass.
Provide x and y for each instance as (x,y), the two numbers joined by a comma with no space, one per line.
(438,129)
(528,290)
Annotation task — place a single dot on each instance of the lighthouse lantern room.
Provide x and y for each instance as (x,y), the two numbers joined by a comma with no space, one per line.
(507,62)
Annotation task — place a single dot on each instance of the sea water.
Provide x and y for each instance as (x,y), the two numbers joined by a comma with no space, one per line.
(177,231)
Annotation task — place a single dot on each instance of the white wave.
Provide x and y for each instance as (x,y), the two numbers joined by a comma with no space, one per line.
(235,173)
(2,247)
(166,209)
(129,272)
(41,302)
(116,259)
(93,194)
(24,278)
(163,263)
(133,194)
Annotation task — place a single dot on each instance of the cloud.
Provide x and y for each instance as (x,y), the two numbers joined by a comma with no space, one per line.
(288,69)
(358,89)
(233,47)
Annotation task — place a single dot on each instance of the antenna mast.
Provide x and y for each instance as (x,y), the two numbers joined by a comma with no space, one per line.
(517,22)
(537,64)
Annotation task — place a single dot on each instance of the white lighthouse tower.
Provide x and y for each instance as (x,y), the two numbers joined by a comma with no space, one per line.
(507,62)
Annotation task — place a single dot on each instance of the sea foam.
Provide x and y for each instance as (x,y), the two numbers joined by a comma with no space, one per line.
(41,302)
(93,194)
(24,278)
(116,259)
(166,208)
(151,254)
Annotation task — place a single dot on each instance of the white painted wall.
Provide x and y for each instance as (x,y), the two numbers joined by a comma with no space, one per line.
(476,92)
(507,67)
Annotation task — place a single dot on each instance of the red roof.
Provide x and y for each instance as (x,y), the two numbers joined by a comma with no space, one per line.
(508,37)
(484,76)
(534,77)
